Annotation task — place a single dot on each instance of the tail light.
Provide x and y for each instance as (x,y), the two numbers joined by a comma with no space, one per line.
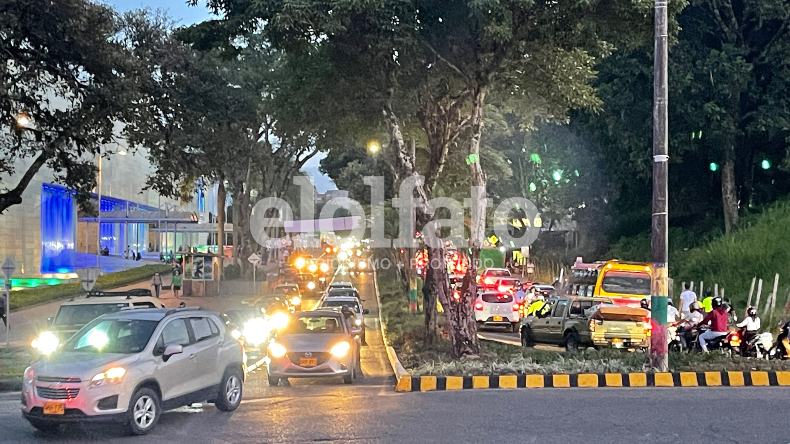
(478,306)
(592,325)
(735,340)
(503,288)
(488,281)
(457,295)
(515,307)
(648,328)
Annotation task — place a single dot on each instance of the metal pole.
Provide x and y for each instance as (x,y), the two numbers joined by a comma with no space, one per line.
(98,219)
(660,238)
(7,310)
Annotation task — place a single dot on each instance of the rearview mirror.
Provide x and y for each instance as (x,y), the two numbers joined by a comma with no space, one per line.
(365,311)
(172,349)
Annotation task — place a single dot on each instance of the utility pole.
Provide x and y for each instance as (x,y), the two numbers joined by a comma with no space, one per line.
(660,238)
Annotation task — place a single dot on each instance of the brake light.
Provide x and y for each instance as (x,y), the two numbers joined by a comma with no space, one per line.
(503,288)
(592,325)
(488,281)
(735,340)
(648,328)
(515,307)
(478,306)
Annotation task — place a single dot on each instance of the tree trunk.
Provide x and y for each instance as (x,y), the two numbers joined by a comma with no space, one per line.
(221,197)
(236,211)
(729,195)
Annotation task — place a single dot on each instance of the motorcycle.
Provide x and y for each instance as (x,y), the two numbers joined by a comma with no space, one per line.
(759,346)
(777,350)
(729,343)
(675,330)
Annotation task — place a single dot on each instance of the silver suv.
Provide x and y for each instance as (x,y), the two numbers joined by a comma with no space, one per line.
(131,365)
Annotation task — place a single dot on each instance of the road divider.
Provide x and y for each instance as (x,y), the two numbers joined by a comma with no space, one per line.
(402,377)
(594,380)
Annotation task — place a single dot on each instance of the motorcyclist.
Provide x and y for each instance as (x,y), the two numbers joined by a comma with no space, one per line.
(717,318)
(689,323)
(748,328)
(786,338)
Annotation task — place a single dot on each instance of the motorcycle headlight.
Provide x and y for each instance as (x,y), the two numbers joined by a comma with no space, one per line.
(340,349)
(276,350)
(111,376)
(46,343)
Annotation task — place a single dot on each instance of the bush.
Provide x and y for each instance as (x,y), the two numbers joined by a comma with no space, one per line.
(232,271)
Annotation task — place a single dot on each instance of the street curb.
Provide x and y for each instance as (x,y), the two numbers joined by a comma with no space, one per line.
(401,375)
(590,380)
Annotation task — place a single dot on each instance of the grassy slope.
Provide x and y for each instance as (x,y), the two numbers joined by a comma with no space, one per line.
(26,298)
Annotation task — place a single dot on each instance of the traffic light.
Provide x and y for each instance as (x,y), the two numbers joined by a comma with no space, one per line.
(765,164)
(714,166)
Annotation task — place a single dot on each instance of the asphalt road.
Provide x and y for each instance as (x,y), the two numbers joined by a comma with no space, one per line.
(370,411)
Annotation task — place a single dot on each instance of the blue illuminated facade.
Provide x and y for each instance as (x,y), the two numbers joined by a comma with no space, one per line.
(58,230)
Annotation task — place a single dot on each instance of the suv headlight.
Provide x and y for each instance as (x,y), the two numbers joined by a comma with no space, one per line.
(46,343)
(340,349)
(111,376)
(256,331)
(358,322)
(296,300)
(311,285)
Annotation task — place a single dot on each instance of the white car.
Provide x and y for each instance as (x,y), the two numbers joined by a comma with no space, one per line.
(340,285)
(129,366)
(351,302)
(497,309)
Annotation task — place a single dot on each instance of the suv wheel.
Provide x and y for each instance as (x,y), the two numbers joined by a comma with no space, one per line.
(514,327)
(572,341)
(230,391)
(347,379)
(144,410)
(527,338)
(273,382)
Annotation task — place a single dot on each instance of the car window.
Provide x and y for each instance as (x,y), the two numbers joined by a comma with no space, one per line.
(314,324)
(83,313)
(497,298)
(586,305)
(214,328)
(576,308)
(201,328)
(144,305)
(546,309)
(112,336)
(175,332)
(335,303)
(559,309)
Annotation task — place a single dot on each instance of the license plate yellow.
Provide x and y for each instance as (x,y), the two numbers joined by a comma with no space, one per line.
(497,318)
(54,408)
(308,362)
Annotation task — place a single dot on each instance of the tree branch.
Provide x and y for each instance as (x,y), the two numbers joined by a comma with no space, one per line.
(14,196)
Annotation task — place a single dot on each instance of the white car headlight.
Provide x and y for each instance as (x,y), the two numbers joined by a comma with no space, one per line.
(340,349)
(358,322)
(276,350)
(46,343)
(256,331)
(351,264)
(363,264)
(311,285)
(296,300)
(278,321)
(111,376)
(236,334)
(324,268)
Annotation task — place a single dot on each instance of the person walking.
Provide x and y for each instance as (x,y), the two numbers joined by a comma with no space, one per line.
(156,281)
(3,314)
(686,298)
(176,282)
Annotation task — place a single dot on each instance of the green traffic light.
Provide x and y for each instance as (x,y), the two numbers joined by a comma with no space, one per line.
(714,166)
(765,164)
(557,175)
(532,187)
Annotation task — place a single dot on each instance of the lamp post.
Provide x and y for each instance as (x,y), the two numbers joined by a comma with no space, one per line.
(98,218)
(660,237)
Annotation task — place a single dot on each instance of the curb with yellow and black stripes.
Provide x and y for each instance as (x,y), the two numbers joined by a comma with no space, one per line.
(679,379)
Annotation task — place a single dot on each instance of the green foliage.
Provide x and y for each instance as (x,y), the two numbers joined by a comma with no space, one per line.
(26,298)
(232,271)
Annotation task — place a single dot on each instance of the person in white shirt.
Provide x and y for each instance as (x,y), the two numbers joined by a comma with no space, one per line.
(672,312)
(686,298)
(748,328)
(690,321)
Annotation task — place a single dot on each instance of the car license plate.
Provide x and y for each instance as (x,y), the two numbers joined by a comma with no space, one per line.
(497,318)
(308,362)
(54,408)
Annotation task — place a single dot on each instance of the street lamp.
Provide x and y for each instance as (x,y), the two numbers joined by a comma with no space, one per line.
(122,151)
(23,119)
(373,147)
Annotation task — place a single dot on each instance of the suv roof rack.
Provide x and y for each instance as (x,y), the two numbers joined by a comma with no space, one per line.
(135,292)
(176,310)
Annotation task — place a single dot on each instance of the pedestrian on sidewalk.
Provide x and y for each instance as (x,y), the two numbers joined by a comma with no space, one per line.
(3,314)
(156,281)
(176,282)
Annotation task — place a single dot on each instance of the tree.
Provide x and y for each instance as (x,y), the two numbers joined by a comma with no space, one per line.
(66,84)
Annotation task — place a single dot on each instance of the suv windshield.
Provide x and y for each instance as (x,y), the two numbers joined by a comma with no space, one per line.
(626,283)
(343,292)
(314,324)
(112,336)
(349,304)
(82,314)
(242,315)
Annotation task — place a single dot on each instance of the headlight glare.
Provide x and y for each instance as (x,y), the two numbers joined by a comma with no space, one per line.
(276,350)
(278,321)
(340,349)
(296,300)
(46,343)
(111,376)
(311,285)
(358,322)
(256,331)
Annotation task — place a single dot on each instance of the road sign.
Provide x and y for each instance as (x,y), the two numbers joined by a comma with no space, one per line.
(254,259)
(88,277)
(8,267)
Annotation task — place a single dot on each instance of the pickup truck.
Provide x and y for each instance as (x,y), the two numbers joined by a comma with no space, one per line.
(581,322)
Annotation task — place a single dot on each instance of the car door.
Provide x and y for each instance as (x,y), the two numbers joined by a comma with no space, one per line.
(176,374)
(556,320)
(540,325)
(205,350)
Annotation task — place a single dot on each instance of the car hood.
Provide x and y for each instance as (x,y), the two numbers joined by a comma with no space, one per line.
(80,364)
(311,341)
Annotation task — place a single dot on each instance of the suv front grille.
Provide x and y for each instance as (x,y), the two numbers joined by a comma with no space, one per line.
(57,379)
(57,393)
(321,357)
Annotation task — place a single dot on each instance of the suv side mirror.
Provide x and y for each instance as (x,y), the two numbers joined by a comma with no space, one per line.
(172,349)
(365,311)
(49,321)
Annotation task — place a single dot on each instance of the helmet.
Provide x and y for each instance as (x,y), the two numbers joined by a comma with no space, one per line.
(694,306)
(751,311)
(716,303)
(643,304)
(669,302)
